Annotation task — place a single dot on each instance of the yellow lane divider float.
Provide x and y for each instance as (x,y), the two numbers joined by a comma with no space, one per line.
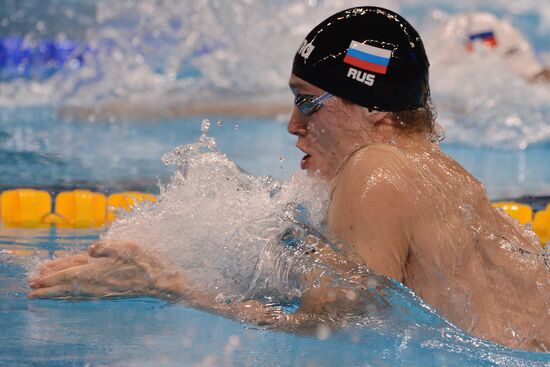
(126,201)
(87,209)
(73,209)
(79,209)
(522,212)
(25,207)
(541,225)
(540,222)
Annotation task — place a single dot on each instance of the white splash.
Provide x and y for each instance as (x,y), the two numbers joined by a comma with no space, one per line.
(182,51)
(214,220)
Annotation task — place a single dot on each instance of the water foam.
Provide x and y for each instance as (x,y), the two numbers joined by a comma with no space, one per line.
(214,220)
(239,236)
(181,51)
(178,53)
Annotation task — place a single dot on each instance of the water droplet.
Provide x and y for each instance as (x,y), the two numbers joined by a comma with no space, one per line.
(233,342)
(186,343)
(74,64)
(323,332)
(372,283)
(40,26)
(205,125)
(282,160)
(351,295)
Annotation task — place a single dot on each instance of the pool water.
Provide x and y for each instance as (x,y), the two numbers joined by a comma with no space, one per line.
(144,53)
(143,331)
(146,331)
(58,154)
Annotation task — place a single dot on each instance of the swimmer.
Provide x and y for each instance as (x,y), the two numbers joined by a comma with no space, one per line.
(364,120)
(484,33)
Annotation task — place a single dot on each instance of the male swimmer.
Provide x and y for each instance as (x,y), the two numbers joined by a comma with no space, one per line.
(363,119)
(479,32)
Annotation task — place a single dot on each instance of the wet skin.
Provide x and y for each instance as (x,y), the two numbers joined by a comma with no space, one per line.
(415,215)
(409,212)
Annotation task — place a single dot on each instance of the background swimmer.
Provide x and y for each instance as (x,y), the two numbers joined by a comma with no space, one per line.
(408,211)
(484,33)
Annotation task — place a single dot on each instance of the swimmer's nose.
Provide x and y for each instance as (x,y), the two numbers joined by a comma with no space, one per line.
(296,125)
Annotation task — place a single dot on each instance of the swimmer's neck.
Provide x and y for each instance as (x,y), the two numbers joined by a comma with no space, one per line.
(386,133)
(417,142)
(389,135)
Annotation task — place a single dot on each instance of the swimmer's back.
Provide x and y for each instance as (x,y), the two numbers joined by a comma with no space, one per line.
(447,242)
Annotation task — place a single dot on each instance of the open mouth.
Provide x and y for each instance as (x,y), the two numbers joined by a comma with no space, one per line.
(304,161)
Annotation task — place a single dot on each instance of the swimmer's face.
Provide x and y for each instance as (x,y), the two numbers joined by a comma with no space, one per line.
(328,135)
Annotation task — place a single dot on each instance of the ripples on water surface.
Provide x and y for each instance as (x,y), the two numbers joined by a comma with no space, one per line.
(236,244)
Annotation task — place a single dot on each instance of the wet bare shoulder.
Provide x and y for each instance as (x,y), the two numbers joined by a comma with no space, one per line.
(369,210)
(375,164)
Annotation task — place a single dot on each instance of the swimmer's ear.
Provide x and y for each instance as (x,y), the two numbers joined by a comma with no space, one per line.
(377,118)
(374,117)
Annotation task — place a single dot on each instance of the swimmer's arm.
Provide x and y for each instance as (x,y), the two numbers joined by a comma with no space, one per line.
(123,269)
(322,304)
(318,306)
(369,209)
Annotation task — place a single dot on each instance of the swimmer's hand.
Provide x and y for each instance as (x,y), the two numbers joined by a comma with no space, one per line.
(110,269)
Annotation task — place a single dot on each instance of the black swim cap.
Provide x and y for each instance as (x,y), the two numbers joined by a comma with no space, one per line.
(369,56)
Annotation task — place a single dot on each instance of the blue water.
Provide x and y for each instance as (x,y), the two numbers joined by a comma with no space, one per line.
(57,153)
(39,149)
(143,332)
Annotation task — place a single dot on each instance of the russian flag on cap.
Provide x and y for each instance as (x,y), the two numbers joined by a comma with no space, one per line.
(368,57)
(487,38)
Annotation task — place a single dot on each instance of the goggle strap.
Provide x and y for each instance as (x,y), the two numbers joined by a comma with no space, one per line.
(323,98)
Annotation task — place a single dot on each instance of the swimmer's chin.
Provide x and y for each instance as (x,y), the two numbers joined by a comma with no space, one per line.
(319,174)
(308,164)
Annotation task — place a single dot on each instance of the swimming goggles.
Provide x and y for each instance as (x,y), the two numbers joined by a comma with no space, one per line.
(308,104)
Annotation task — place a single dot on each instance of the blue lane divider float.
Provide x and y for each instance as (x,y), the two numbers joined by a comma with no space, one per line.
(38,60)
